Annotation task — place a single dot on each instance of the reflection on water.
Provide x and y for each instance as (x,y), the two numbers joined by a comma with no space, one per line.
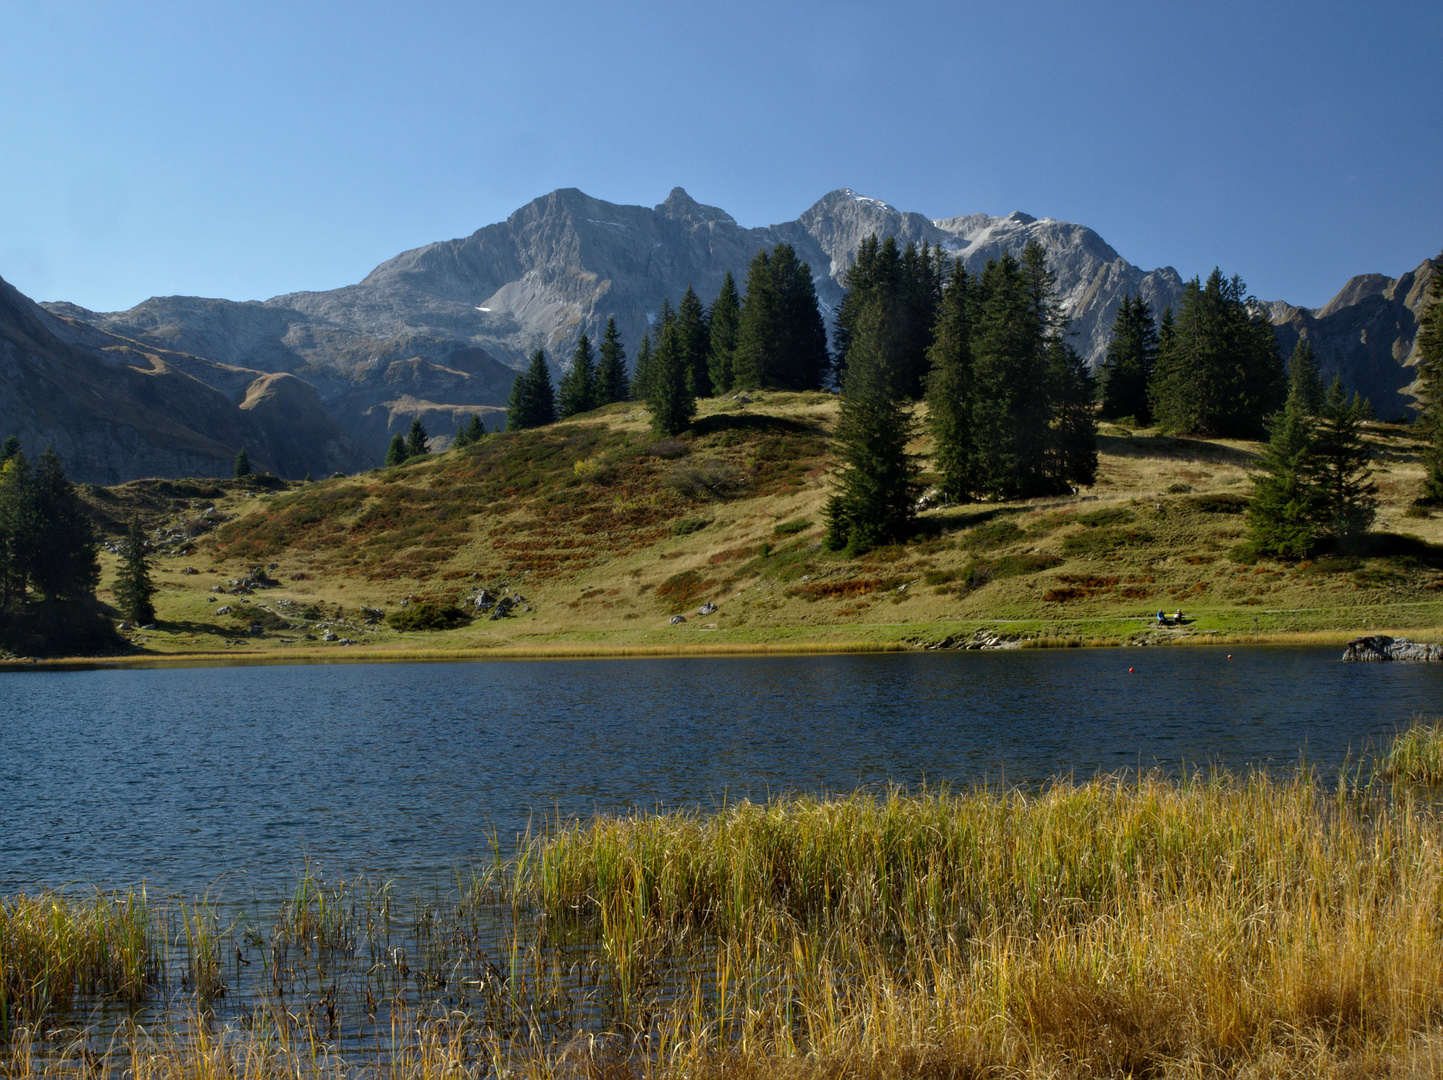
(227,778)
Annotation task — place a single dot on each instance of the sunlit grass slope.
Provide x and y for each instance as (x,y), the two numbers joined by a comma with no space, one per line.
(607,532)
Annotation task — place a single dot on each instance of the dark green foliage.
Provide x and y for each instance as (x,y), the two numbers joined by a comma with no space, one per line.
(1286,506)
(723,319)
(949,391)
(9,449)
(416,440)
(877,484)
(909,283)
(576,392)
(1430,387)
(641,375)
(1128,366)
(470,433)
(242,465)
(611,381)
(532,402)
(47,542)
(427,615)
(670,400)
(1218,371)
(1348,498)
(1303,378)
(781,339)
(694,340)
(1072,425)
(396,452)
(133,586)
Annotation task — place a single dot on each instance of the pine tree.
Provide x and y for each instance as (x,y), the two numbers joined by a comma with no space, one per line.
(1303,378)
(611,382)
(63,546)
(416,440)
(1218,372)
(1430,388)
(576,393)
(242,465)
(1128,366)
(533,401)
(1348,497)
(470,433)
(396,452)
(694,339)
(723,319)
(781,338)
(877,485)
(9,449)
(949,391)
(1286,506)
(909,282)
(671,402)
(1072,444)
(133,586)
(641,373)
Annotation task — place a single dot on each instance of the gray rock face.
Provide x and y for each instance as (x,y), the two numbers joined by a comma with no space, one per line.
(439,331)
(1381,648)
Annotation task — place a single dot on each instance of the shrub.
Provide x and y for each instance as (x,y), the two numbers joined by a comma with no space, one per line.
(1219,504)
(706,480)
(687,526)
(788,528)
(427,615)
(1109,515)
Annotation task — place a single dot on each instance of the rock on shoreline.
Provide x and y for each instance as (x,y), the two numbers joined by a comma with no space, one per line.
(1382,648)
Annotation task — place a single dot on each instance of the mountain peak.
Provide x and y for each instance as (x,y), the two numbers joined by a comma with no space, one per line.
(680,206)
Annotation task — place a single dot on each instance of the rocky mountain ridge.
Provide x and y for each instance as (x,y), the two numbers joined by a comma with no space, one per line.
(439,331)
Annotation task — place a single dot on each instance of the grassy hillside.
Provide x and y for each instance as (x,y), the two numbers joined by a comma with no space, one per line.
(606,532)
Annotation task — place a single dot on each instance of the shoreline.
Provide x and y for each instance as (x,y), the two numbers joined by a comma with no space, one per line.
(387,654)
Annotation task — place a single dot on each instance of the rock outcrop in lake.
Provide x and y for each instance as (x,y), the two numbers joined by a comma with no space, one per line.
(1381,648)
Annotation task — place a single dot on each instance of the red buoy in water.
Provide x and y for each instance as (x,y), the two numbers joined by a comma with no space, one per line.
(1131,670)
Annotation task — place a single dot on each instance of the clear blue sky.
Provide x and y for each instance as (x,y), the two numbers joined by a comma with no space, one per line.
(248,149)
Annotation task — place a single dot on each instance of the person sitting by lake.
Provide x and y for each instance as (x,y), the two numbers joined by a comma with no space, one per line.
(1161,618)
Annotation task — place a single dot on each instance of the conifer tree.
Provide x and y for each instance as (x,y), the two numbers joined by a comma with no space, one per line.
(133,585)
(1348,497)
(1218,372)
(641,375)
(910,282)
(876,486)
(671,402)
(1286,506)
(723,319)
(1128,366)
(242,465)
(533,401)
(576,392)
(949,391)
(63,546)
(396,452)
(694,338)
(781,339)
(9,448)
(416,440)
(17,524)
(1430,388)
(470,433)
(611,382)
(1303,378)
(1072,426)
(754,360)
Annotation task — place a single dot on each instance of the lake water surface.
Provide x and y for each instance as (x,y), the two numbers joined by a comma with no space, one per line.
(231,776)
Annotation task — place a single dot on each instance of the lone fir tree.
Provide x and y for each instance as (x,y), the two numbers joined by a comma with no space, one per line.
(134,587)
(532,402)
(242,465)
(576,392)
(669,397)
(416,440)
(611,381)
(396,452)
(1283,515)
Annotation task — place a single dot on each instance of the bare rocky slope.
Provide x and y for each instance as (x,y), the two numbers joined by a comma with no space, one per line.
(116,409)
(439,331)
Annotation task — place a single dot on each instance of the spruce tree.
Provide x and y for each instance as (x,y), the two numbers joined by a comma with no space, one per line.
(641,375)
(1303,378)
(1286,506)
(1348,497)
(1128,366)
(1430,388)
(9,448)
(576,393)
(416,440)
(910,282)
(694,338)
(671,402)
(533,401)
(754,360)
(1072,425)
(949,391)
(242,465)
(722,343)
(611,382)
(133,586)
(63,547)
(781,338)
(470,433)
(396,452)
(876,486)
